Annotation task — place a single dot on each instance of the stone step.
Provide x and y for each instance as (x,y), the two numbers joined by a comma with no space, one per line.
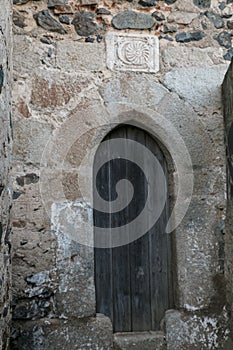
(139,341)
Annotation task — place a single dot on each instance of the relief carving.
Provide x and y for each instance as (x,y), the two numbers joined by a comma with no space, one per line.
(133,52)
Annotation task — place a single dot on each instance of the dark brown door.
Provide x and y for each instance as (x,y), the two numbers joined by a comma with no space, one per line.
(133,281)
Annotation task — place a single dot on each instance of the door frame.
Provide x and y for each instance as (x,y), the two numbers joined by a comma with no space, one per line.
(169,185)
(102,120)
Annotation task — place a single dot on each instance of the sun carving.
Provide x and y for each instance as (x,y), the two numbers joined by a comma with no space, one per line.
(136,53)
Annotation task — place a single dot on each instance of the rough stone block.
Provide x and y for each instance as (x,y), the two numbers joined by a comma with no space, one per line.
(52,3)
(29,55)
(186,37)
(184,5)
(89,2)
(84,24)
(194,331)
(49,91)
(46,21)
(215,19)
(18,19)
(139,341)
(181,17)
(137,89)
(197,256)
(202,3)
(49,334)
(182,56)
(199,86)
(75,262)
(63,9)
(133,20)
(74,56)
(25,134)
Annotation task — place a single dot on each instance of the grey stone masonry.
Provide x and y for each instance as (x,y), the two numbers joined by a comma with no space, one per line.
(80,69)
(227,96)
(5,187)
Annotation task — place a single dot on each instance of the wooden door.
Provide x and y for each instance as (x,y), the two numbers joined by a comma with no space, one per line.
(134,281)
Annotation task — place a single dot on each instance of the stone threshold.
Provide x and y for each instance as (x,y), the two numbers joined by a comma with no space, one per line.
(140,341)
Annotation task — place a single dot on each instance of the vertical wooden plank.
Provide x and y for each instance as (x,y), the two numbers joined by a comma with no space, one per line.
(170,253)
(120,255)
(159,251)
(158,293)
(139,256)
(103,256)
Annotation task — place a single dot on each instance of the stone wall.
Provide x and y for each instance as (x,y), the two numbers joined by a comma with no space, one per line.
(197,23)
(5,163)
(70,89)
(228,118)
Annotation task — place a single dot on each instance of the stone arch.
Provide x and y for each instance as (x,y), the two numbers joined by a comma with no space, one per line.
(101,119)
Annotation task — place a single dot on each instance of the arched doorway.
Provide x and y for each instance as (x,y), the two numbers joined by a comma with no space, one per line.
(134,282)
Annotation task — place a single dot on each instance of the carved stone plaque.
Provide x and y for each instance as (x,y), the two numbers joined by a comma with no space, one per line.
(132,52)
